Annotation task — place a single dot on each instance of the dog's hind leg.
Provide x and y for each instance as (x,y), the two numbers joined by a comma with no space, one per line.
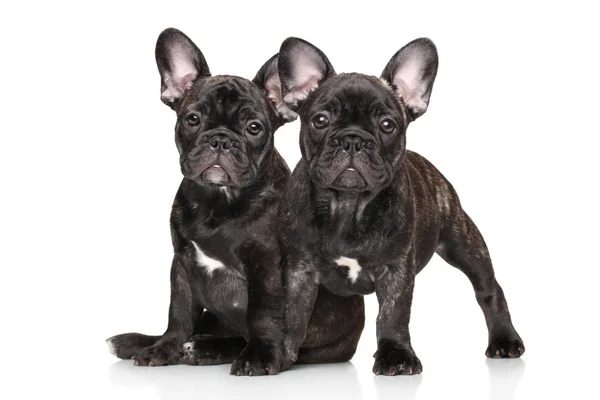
(127,345)
(334,329)
(341,350)
(463,247)
(209,324)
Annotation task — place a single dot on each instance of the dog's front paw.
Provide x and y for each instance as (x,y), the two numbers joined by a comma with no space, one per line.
(396,361)
(505,346)
(258,359)
(161,353)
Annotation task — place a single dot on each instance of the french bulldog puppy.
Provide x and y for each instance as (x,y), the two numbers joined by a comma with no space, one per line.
(226,284)
(362,214)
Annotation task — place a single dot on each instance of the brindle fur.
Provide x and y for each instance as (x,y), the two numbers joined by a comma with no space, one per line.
(390,220)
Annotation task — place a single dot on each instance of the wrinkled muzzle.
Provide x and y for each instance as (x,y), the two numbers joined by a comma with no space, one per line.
(218,158)
(350,160)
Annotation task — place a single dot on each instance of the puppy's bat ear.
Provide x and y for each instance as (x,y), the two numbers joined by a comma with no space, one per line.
(411,71)
(302,68)
(267,78)
(179,63)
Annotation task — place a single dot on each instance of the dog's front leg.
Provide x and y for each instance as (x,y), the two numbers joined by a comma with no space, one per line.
(395,355)
(301,288)
(167,350)
(264,353)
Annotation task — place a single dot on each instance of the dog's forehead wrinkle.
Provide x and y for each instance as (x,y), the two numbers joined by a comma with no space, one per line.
(361,80)
(223,102)
(228,88)
(356,92)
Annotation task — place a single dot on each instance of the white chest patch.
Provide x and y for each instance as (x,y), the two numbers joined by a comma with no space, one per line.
(226,192)
(205,261)
(353,266)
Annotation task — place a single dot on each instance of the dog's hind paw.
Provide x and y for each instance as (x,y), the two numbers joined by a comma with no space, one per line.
(188,353)
(111,347)
(208,351)
(126,345)
(161,353)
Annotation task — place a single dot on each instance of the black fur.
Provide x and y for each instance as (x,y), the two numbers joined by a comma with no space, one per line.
(225,213)
(226,284)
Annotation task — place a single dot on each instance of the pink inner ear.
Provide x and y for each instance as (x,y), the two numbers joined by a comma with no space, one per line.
(183,72)
(405,78)
(176,87)
(409,85)
(273,86)
(306,74)
(299,93)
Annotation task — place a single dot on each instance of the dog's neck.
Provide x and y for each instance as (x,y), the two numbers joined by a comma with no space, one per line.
(223,194)
(347,203)
(360,207)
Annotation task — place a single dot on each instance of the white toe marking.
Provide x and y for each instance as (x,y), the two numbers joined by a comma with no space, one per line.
(188,346)
(205,261)
(111,347)
(353,266)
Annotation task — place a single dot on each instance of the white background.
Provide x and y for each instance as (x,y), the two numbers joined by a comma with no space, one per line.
(89,169)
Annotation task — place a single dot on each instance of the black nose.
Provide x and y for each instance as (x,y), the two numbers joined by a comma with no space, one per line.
(352,143)
(219,142)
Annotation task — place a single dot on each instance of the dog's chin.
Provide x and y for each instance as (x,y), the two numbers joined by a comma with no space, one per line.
(216,175)
(350,180)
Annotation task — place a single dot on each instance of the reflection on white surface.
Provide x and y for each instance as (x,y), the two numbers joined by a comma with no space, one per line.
(305,382)
(505,376)
(311,382)
(397,387)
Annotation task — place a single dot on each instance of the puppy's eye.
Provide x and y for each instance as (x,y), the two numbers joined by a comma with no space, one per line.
(254,128)
(320,121)
(387,126)
(192,119)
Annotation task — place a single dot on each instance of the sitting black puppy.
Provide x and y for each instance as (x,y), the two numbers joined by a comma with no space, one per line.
(226,285)
(361,214)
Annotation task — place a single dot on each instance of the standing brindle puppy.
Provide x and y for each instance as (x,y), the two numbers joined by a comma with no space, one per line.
(226,285)
(362,214)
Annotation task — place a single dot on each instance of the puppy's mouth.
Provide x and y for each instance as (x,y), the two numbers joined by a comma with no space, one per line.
(216,175)
(350,179)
